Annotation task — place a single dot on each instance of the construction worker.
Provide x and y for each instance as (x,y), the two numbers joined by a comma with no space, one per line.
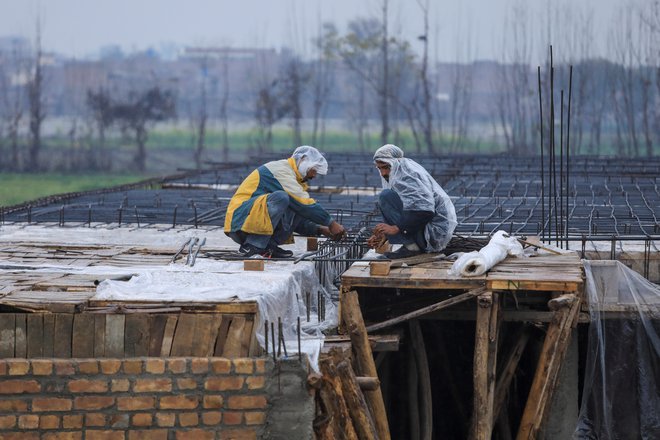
(417,212)
(272,203)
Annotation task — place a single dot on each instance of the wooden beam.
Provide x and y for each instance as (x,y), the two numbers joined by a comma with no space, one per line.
(352,317)
(485,362)
(556,343)
(424,377)
(428,309)
(509,369)
(357,406)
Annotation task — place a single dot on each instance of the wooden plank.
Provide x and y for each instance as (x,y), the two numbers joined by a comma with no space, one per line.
(7,335)
(234,343)
(35,335)
(136,336)
(555,345)
(206,331)
(63,334)
(49,335)
(114,335)
(352,317)
(184,334)
(547,286)
(508,371)
(246,307)
(246,339)
(168,335)
(82,341)
(156,333)
(99,335)
(222,334)
(20,350)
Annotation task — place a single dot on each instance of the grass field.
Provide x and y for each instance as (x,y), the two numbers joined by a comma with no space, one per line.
(17,188)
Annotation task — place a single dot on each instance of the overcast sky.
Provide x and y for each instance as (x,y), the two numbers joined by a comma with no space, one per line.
(80,27)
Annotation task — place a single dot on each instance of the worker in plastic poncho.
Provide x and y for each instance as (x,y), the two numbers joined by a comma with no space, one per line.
(418,213)
(272,203)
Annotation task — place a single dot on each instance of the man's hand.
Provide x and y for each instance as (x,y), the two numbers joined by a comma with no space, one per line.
(337,231)
(385,229)
(376,241)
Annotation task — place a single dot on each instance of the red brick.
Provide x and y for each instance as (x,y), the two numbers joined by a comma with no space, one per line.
(213,401)
(239,434)
(142,419)
(93,402)
(95,419)
(151,385)
(88,367)
(199,365)
(88,386)
(28,422)
(110,366)
(42,367)
(243,366)
(13,405)
(232,418)
(188,419)
(155,366)
(247,402)
(62,436)
(49,422)
(212,418)
(152,434)
(51,404)
(135,403)
(64,367)
(260,366)
(133,367)
(255,382)
(20,436)
(19,386)
(221,366)
(195,434)
(179,402)
(18,367)
(104,435)
(165,419)
(176,366)
(255,418)
(223,383)
(72,421)
(186,384)
(120,385)
(7,422)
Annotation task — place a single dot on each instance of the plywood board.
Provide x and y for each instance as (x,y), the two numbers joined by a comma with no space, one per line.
(184,334)
(35,335)
(83,336)
(234,342)
(20,350)
(114,335)
(156,333)
(206,333)
(63,334)
(7,335)
(49,335)
(168,335)
(136,340)
(99,335)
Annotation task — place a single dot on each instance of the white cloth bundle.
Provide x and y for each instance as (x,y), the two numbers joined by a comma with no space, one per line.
(475,263)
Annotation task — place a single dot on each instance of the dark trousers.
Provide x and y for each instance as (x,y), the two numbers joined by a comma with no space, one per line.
(391,207)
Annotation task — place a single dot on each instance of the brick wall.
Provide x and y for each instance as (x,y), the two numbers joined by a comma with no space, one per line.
(131,399)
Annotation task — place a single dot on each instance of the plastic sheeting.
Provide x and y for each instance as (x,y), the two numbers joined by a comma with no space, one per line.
(477,263)
(310,158)
(620,398)
(419,192)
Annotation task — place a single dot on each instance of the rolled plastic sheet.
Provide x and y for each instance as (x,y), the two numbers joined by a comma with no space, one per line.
(477,263)
(621,392)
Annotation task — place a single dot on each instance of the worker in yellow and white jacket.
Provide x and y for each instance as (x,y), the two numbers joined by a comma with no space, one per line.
(272,203)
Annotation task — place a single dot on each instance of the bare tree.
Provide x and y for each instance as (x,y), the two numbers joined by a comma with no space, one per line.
(427,119)
(101,107)
(224,99)
(201,115)
(321,79)
(292,82)
(36,103)
(12,99)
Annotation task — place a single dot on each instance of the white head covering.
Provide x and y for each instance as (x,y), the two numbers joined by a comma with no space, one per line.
(419,191)
(308,158)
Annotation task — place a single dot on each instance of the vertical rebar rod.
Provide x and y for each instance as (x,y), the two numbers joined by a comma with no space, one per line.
(266,336)
(299,347)
(561,165)
(272,340)
(89,215)
(542,164)
(137,216)
(174,216)
(568,145)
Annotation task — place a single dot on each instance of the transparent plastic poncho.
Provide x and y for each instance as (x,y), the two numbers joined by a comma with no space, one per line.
(308,158)
(621,393)
(419,191)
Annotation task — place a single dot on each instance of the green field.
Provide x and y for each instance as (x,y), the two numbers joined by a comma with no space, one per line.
(17,188)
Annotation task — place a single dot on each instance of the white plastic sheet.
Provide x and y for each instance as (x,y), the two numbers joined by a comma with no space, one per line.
(477,263)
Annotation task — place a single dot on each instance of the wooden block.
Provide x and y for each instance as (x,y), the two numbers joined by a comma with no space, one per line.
(20,351)
(114,335)
(7,335)
(62,335)
(312,244)
(379,268)
(257,265)
(82,345)
(383,247)
(35,335)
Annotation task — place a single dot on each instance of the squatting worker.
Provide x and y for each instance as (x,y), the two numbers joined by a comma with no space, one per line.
(418,213)
(272,203)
